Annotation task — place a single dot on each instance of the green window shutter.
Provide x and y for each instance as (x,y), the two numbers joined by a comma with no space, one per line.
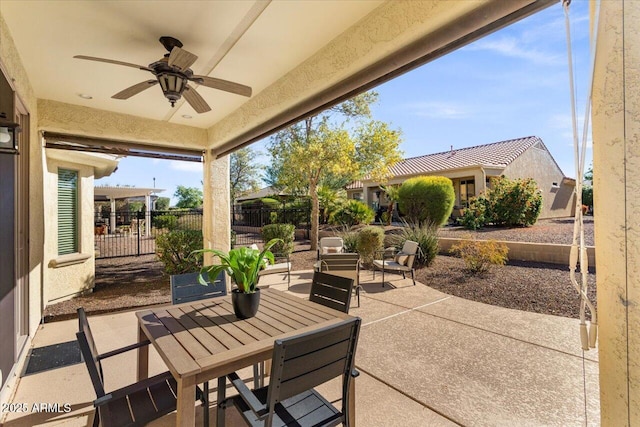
(67,211)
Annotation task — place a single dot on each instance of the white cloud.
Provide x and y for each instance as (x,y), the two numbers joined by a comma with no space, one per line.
(186,166)
(437,110)
(511,47)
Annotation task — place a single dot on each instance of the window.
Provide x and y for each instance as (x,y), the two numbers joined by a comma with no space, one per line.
(467,191)
(67,211)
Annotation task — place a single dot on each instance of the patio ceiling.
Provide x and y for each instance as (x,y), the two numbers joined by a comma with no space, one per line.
(297,56)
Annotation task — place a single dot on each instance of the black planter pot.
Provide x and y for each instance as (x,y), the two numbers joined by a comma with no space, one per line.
(245,305)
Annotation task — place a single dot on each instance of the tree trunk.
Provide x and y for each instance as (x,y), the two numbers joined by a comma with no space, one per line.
(315,211)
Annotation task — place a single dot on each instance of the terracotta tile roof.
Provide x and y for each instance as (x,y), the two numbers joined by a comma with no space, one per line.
(497,154)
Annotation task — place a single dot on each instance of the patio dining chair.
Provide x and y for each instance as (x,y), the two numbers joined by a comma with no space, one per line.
(344,265)
(133,405)
(187,287)
(402,262)
(331,291)
(302,362)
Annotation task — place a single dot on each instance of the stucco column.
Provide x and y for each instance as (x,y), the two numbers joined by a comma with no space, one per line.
(112,217)
(616,167)
(216,219)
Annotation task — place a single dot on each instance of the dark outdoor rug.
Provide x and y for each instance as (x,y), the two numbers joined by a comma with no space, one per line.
(54,356)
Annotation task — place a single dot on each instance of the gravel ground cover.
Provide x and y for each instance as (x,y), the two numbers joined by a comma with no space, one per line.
(124,283)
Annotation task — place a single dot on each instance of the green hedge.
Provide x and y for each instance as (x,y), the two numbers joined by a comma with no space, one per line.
(427,199)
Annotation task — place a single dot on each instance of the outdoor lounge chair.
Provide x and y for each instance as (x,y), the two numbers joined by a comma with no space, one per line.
(135,404)
(344,265)
(331,291)
(279,267)
(402,262)
(301,363)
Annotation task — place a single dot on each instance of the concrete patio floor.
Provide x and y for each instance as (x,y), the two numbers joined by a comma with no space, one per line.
(426,359)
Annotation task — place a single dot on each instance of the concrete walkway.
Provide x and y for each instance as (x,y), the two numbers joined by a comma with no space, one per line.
(426,359)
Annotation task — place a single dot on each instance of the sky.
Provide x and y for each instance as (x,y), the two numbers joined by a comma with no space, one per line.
(510,84)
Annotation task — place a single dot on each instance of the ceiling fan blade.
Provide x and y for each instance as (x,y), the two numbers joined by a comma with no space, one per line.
(195,100)
(135,89)
(112,61)
(224,85)
(181,58)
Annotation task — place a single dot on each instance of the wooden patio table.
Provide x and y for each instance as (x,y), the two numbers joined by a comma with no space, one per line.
(203,340)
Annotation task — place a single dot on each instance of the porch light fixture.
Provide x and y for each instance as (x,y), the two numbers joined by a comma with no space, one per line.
(173,84)
(8,135)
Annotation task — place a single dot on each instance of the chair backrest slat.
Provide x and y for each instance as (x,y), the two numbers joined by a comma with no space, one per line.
(308,360)
(331,291)
(330,245)
(89,353)
(187,288)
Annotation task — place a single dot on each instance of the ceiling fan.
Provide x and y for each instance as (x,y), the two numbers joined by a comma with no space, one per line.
(173,73)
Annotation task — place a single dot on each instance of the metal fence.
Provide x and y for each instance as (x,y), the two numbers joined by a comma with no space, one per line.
(133,233)
(246,222)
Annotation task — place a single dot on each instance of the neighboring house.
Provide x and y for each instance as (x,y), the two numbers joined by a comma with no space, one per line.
(262,193)
(69,246)
(472,168)
(105,193)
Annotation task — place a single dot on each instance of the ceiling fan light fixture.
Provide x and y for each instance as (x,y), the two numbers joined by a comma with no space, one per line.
(172,85)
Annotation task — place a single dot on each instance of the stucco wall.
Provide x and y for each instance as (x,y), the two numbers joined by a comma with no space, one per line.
(537,163)
(616,171)
(66,118)
(64,282)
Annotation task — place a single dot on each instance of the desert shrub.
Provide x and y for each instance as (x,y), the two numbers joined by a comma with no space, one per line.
(369,241)
(353,212)
(480,255)
(427,198)
(425,234)
(349,239)
(286,232)
(514,202)
(165,221)
(475,216)
(174,250)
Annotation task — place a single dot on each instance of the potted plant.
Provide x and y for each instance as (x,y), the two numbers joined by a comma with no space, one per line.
(242,265)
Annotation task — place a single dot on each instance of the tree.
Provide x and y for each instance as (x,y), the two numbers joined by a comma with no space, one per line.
(188,197)
(162,203)
(243,172)
(392,193)
(328,145)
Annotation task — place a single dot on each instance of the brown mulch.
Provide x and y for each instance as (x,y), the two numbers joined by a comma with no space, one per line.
(125,283)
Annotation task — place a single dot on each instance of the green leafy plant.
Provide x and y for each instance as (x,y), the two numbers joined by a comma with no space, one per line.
(242,264)
(369,241)
(285,233)
(165,221)
(425,234)
(353,212)
(174,250)
(509,203)
(427,198)
(475,216)
(514,203)
(480,255)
